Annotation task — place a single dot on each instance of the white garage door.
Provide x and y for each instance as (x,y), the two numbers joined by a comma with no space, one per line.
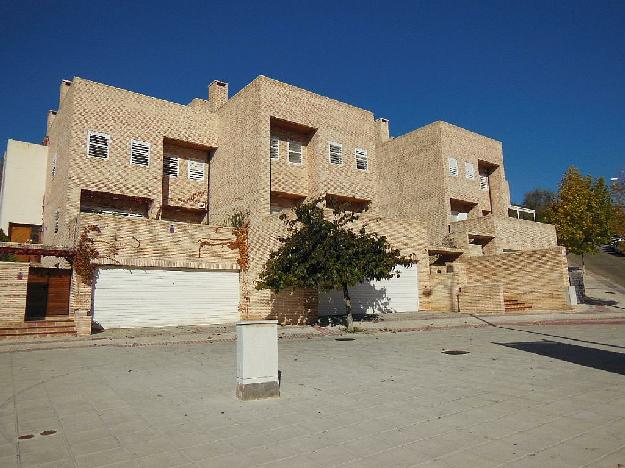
(126,298)
(392,295)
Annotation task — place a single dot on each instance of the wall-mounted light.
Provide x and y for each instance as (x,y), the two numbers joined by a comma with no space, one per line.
(20,275)
(172,228)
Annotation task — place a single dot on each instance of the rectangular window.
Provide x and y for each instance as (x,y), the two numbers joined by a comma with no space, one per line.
(274,148)
(98,145)
(362,160)
(335,153)
(469,170)
(139,153)
(53,169)
(453,167)
(57,216)
(196,170)
(483,182)
(171,166)
(295,152)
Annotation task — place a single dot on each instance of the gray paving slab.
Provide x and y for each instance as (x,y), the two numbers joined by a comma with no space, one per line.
(380,400)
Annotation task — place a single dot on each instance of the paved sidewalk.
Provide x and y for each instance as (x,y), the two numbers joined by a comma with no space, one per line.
(523,397)
(417,321)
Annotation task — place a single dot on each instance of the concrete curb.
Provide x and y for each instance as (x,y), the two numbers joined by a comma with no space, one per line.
(312,332)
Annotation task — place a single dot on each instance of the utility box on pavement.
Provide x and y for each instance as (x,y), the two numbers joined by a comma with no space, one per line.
(257,360)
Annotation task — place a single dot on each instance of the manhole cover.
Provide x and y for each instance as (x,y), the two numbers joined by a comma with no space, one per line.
(455,352)
(345,339)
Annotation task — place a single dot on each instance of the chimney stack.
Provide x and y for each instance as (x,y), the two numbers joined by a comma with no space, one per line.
(65,84)
(383,130)
(217,94)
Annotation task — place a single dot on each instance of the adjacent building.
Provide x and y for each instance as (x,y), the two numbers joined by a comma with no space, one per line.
(22,185)
(141,195)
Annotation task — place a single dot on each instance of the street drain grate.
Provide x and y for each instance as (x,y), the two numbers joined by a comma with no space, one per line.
(455,352)
(345,339)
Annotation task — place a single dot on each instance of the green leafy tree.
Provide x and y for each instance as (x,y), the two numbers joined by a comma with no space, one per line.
(327,254)
(618,201)
(582,213)
(539,200)
(6,257)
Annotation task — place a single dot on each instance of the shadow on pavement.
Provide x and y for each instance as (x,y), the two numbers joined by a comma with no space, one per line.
(609,361)
(546,334)
(595,301)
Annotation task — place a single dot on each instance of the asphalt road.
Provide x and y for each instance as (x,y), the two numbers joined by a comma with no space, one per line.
(606,263)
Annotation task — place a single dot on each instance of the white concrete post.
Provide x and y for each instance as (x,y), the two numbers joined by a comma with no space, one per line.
(257,360)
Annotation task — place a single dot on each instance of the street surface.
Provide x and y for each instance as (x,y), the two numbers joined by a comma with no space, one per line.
(523,396)
(606,263)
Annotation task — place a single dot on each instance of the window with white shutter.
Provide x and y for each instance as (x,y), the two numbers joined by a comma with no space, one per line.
(274,148)
(335,153)
(469,170)
(362,160)
(483,181)
(453,167)
(295,152)
(171,165)
(196,170)
(139,153)
(53,165)
(98,145)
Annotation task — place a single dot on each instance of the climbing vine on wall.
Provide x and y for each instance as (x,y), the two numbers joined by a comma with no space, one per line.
(86,253)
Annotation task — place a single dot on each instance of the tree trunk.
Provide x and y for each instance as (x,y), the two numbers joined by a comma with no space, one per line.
(349,319)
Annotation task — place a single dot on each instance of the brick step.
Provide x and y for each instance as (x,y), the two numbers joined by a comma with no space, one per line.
(37,324)
(38,335)
(39,328)
(511,304)
(30,331)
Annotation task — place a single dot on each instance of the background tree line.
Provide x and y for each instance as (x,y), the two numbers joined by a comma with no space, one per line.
(586,212)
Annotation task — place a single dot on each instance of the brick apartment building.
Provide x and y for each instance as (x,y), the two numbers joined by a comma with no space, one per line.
(155,184)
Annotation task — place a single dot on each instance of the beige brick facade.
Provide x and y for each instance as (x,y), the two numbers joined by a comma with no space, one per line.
(13,280)
(412,197)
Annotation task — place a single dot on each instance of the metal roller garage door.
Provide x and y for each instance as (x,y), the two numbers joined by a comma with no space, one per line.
(126,298)
(392,295)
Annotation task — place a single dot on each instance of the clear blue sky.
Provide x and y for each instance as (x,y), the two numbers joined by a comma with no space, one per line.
(546,78)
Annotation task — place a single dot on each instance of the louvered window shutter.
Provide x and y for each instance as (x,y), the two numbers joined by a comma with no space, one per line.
(171,166)
(139,153)
(335,153)
(295,152)
(274,148)
(196,170)
(98,145)
(362,160)
(469,170)
(453,167)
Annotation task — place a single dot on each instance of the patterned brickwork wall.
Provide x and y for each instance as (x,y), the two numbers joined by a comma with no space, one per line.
(536,277)
(481,298)
(520,234)
(466,146)
(240,164)
(13,282)
(180,190)
(409,180)
(508,233)
(287,177)
(135,238)
(443,291)
(124,116)
(331,121)
(57,182)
